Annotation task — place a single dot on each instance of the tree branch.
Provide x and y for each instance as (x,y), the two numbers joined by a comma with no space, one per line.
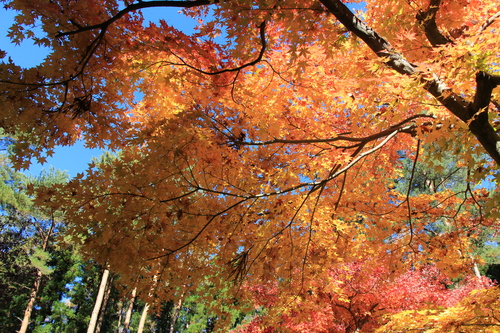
(313,186)
(377,43)
(478,113)
(361,140)
(489,21)
(485,85)
(428,20)
(455,103)
(263,43)
(137,6)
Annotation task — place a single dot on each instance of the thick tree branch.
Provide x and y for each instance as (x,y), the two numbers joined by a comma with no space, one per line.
(478,113)
(137,6)
(428,20)
(377,43)
(456,104)
(485,85)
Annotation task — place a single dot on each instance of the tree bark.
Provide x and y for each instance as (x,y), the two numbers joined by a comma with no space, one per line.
(104,305)
(143,318)
(36,284)
(128,316)
(175,314)
(476,271)
(98,302)
(119,313)
(31,302)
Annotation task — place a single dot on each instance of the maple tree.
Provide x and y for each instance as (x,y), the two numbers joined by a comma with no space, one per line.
(359,297)
(268,154)
(479,310)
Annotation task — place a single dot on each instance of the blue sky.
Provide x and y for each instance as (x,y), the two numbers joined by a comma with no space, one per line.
(73,159)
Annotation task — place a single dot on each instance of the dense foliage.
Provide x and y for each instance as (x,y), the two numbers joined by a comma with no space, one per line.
(284,145)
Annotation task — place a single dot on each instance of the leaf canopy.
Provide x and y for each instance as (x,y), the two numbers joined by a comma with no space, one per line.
(266,145)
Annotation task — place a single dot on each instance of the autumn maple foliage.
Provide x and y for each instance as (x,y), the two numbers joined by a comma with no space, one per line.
(269,147)
(358,297)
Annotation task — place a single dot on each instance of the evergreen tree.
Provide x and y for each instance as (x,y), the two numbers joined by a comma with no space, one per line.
(26,247)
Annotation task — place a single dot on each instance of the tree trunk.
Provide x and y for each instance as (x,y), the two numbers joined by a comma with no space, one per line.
(128,316)
(102,312)
(175,314)
(36,284)
(476,271)
(31,302)
(120,316)
(143,318)
(98,302)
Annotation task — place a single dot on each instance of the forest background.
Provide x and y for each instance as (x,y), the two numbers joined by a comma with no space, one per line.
(279,167)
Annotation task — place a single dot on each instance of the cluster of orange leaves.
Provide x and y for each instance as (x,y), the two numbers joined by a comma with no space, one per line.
(230,173)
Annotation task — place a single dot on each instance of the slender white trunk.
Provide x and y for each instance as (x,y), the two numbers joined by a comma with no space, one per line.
(103,306)
(143,318)
(98,302)
(476,271)
(120,316)
(128,316)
